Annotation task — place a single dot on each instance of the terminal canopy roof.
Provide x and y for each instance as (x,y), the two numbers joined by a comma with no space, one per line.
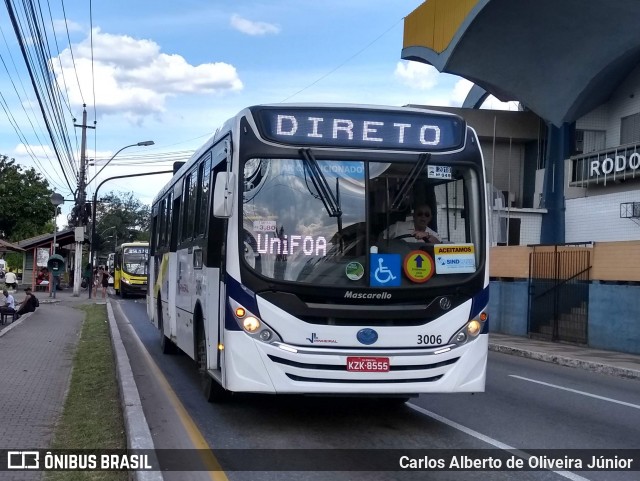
(63,238)
(560,59)
(6,246)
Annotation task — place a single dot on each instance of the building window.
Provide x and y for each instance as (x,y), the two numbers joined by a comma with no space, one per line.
(630,129)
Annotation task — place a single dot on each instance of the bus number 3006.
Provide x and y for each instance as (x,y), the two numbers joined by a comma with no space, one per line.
(429,339)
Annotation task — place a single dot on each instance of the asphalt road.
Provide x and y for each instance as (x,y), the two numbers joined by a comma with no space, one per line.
(528,405)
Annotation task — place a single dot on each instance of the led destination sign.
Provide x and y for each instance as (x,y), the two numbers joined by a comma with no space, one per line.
(363,129)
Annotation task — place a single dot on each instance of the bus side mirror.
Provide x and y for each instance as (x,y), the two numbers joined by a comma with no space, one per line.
(223,194)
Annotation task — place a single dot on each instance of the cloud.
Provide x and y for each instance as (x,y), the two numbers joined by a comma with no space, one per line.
(461,90)
(417,75)
(133,77)
(62,25)
(40,151)
(253,28)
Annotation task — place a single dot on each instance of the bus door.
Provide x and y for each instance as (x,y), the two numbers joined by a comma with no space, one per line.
(185,288)
(168,286)
(214,266)
(186,278)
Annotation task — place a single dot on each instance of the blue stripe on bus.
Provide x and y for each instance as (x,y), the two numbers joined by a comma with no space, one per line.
(243,296)
(479,302)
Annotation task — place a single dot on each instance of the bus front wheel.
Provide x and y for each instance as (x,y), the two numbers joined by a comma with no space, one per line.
(213,392)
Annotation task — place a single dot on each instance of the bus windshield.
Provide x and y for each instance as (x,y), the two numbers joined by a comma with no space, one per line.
(363,223)
(135,260)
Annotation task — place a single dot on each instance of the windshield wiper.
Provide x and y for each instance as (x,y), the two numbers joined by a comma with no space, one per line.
(409,180)
(331,203)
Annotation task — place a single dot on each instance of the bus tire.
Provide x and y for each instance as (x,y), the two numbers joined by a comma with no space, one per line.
(166,345)
(213,392)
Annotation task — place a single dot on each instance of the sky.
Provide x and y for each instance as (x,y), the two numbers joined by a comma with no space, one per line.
(173,72)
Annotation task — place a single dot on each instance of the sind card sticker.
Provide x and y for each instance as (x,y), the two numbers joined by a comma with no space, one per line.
(455,258)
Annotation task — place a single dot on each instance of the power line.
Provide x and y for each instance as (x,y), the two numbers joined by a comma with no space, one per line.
(345,61)
(64,14)
(93,77)
(32,76)
(45,83)
(24,90)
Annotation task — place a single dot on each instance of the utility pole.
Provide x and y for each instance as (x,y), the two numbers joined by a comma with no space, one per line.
(81,199)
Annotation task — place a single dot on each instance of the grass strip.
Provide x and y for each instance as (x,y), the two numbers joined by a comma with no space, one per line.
(92,415)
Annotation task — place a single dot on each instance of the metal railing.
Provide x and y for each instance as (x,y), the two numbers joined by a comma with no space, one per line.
(614,164)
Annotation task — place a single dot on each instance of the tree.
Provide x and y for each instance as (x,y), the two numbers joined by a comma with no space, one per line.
(120,216)
(25,198)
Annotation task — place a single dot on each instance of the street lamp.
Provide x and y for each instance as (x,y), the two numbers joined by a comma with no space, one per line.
(139,144)
(114,236)
(95,195)
(56,200)
(108,228)
(93,224)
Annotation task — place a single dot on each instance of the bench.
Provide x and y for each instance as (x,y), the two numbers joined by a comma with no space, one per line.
(5,315)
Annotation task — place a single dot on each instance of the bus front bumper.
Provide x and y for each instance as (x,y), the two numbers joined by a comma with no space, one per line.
(254,366)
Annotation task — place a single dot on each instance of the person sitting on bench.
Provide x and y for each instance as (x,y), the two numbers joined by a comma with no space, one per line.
(9,304)
(29,303)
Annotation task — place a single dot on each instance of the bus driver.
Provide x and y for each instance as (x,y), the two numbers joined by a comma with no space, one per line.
(418,229)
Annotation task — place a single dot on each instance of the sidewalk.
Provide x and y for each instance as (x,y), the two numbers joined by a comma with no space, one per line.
(36,358)
(36,354)
(596,360)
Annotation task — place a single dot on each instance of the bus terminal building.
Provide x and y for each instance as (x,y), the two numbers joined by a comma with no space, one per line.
(564,172)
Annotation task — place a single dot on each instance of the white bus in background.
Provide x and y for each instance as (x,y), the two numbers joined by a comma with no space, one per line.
(273,267)
(110,259)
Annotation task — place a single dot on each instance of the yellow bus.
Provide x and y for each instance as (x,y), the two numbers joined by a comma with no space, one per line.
(130,269)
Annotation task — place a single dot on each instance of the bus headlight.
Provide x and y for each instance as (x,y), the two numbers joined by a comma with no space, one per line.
(474,327)
(252,324)
(471,329)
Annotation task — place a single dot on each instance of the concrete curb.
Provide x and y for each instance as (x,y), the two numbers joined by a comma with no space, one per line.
(137,428)
(7,327)
(566,361)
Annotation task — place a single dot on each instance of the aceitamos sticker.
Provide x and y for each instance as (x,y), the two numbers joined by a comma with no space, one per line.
(455,258)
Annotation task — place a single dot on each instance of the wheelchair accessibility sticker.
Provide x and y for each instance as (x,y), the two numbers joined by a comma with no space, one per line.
(418,266)
(385,270)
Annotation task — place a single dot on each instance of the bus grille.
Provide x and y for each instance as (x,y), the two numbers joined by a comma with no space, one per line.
(293,377)
(335,367)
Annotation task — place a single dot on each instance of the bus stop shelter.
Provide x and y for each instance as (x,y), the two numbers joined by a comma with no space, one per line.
(37,251)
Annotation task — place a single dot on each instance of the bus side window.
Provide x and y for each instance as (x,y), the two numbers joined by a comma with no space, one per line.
(217,227)
(167,224)
(175,225)
(204,195)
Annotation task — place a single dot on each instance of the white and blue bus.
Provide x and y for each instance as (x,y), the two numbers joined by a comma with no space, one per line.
(288,255)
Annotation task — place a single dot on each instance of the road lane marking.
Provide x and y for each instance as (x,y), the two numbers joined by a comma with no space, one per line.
(636,406)
(491,441)
(195,435)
